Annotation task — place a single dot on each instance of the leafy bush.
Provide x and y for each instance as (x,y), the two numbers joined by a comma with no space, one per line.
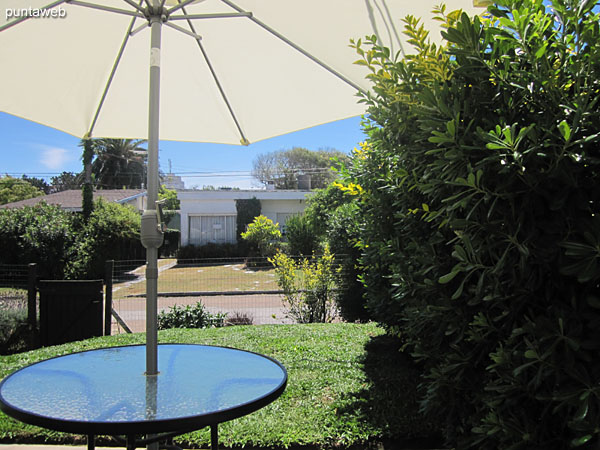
(63,245)
(111,232)
(262,233)
(40,234)
(16,335)
(480,234)
(301,236)
(239,318)
(321,205)
(333,218)
(189,316)
(170,206)
(247,209)
(342,237)
(308,286)
(171,243)
(9,321)
(211,250)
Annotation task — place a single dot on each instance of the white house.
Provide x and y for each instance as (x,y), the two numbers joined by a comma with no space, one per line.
(210,216)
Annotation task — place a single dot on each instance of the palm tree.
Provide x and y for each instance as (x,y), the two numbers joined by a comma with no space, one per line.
(118,163)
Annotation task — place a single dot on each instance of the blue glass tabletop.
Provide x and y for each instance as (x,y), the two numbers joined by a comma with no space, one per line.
(106,390)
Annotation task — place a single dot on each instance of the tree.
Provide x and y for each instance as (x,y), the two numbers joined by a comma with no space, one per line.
(87,190)
(118,163)
(247,210)
(39,183)
(283,167)
(171,203)
(66,181)
(15,189)
(170,197)
(479,224)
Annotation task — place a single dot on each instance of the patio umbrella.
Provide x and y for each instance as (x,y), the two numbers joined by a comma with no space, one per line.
(223,71)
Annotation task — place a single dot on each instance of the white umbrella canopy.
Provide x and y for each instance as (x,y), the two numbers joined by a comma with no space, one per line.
(222,71)
(55,70)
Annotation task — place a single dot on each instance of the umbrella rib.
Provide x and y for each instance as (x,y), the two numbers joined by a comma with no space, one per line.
(22,19)
(135,5)
(297,47)
(210,16)
(181,4)
(112,75)
(389,24)
(105,8)
(183,30)
(243,140)
(138,29)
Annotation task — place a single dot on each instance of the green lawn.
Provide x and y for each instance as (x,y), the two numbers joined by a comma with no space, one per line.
(202,278)
(338,394)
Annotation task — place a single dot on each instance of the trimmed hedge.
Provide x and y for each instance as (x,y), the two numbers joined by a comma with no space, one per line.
(479,217)
(212,251)
(66,246)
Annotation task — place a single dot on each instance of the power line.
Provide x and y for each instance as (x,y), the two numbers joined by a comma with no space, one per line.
(191,174)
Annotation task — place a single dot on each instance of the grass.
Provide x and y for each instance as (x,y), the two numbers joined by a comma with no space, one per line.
(338,394)
(205,278)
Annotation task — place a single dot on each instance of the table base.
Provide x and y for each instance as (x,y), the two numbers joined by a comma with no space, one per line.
(132,442)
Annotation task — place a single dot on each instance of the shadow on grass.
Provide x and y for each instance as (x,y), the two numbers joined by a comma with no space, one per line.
(388,403)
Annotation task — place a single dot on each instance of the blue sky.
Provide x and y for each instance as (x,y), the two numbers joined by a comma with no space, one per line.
(36,150)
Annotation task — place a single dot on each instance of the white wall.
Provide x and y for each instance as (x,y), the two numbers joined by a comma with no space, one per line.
(271,208)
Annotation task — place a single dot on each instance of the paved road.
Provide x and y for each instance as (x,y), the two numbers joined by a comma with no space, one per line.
(261,309)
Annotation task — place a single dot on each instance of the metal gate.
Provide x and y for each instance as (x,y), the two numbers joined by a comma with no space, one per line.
(70,310)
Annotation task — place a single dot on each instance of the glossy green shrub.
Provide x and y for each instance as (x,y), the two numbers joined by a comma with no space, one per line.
(342,237)
(332,215)
(170,245)
(247,209)
(301,236)
(480,237)
(189,316)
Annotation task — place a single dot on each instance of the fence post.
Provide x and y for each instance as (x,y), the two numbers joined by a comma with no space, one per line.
(108,283)
(31,294)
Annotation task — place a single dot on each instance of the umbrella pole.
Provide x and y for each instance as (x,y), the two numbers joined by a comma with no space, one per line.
(151,237)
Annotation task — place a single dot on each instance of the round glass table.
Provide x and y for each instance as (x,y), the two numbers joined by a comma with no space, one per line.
(105,391)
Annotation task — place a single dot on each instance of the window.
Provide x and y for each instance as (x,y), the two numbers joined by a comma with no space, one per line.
(212,229)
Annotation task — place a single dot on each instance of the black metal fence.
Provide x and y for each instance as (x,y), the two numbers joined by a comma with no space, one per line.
(245,289)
